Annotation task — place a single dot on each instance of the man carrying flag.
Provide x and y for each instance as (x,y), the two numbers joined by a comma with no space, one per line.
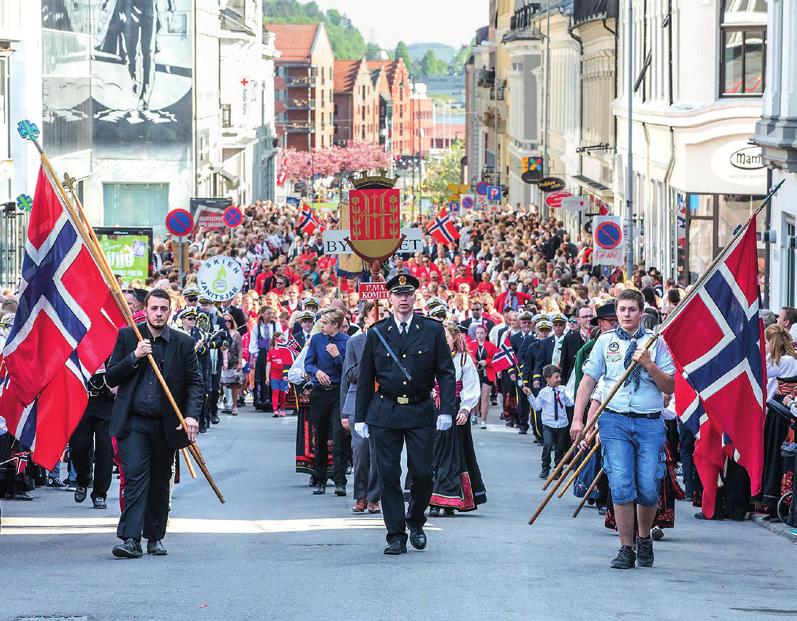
(632,433)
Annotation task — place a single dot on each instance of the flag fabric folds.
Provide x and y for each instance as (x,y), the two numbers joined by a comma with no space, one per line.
(64,329)
(308,221)
(443,229)
(717,342)
(505,357)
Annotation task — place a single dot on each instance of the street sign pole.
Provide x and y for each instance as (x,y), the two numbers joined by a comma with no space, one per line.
(629,181)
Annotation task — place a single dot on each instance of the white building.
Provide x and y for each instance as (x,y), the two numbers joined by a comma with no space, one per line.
(776,132)
(699,67)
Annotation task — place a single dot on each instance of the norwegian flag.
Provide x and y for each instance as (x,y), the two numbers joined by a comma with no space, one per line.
(308,221)
(20,460)
(293,345)
(443,230)
(505,357)
(64,329)
(725,366)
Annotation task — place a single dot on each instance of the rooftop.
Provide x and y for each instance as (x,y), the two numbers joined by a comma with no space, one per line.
(294,41)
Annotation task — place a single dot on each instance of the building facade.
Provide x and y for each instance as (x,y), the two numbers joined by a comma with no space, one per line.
(776,133)
(356,107)
(304,86)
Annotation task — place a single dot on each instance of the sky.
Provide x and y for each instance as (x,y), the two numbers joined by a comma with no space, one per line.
(414,21)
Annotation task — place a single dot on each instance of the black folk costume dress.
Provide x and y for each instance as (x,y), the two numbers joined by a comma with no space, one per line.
(458,481)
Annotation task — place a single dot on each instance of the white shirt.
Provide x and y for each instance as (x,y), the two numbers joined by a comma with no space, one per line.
(553,413)
(557,349)
(408,322)
(466,372)
(787,367)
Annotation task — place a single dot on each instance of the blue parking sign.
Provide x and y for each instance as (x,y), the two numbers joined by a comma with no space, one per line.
(494,193)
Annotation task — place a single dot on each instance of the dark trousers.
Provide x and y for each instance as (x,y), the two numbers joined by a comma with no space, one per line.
(523,412)
(92,433)
(686,444)
(147,463)
(420,462)
(325,414)
(212,404)
(553,439)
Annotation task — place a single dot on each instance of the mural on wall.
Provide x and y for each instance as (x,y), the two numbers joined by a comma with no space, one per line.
(118,77)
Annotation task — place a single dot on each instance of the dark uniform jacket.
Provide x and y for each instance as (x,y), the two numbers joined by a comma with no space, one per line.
(180,370)
(426,356)
(538,355)
(570,346)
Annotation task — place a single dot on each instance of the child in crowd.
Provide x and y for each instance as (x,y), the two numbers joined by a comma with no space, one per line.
(552,401)
(278,361)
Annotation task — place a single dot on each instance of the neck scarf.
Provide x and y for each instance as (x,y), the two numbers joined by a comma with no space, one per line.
(635,375)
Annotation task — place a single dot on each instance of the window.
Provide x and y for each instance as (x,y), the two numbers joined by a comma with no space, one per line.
(743,48)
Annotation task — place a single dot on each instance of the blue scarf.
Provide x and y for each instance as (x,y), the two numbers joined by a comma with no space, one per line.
(635,375)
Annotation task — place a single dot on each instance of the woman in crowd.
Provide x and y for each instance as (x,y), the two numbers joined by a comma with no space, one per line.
(262,333)
(458,481)
(482,352)
(232,357)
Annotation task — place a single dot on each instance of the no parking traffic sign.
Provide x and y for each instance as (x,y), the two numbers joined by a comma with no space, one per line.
(608,241)
(179,222)
(232,216)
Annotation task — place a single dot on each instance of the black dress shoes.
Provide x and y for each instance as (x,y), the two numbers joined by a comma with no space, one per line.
(129,549)
(395,548)
(214,419)
(319,489)
(418,539)
(155,548)
(99,502)
(80,494)
(434,511)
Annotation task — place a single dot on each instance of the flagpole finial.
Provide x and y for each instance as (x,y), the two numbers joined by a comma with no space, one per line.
(28,130)
(69,182)
(24,202)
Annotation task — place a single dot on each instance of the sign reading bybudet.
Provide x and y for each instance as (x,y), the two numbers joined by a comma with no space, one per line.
(220,278)
(374,216)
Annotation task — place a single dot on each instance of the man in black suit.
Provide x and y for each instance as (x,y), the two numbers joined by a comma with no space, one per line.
(146,429)
(402,410)
(303,327)
(520,342)
(476,319)
(538,351)
(575,340)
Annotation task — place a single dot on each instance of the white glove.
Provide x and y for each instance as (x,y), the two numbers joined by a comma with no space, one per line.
(444,422)
(361,429)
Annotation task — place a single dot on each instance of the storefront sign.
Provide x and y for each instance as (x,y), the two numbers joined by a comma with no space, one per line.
(739,163)
(127,250)
(748,158)
(209,213)
(608,241)
(555,200)
(551,184)
(373,291)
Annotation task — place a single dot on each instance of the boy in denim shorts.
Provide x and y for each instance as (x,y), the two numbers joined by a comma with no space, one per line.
(631,429)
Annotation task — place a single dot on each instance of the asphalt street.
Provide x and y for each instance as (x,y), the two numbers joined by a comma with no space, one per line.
(274,551)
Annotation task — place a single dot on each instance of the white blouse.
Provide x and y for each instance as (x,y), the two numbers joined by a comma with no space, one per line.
(471,387)
(787,367)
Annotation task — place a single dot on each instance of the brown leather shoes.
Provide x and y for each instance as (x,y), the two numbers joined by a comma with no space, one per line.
(373,507)
(359,506)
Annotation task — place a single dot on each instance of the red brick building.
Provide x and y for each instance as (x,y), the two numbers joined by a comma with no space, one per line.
(398,82)
(356,114)
(303,86)
(421,109)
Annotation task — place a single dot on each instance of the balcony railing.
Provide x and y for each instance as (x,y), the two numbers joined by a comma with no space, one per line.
(297,127)
(522,17)
(486,78)
(299,104)
(226,116)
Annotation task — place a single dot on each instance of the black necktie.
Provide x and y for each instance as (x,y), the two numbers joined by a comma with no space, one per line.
(403,331)
(556,404)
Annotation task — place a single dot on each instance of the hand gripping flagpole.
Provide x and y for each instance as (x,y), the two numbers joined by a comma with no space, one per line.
(680,306)
(29,131)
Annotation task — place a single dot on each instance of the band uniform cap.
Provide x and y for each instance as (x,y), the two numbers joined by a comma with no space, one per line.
(433,303)
(188,313)
(539,317)
(403,283)
(604,311)
(439,311)
(203,299)
(306,316)
(543,324)
(312,302)
(554,317)
(525,316)
(191,292)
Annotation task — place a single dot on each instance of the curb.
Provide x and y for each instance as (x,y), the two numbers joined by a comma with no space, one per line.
(779,528)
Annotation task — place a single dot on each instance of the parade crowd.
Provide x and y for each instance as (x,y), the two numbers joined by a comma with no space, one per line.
(521,306)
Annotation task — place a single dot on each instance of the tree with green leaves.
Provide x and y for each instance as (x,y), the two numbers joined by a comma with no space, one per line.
(403,53)
(431,65)
(373,51)
(442,171)
(457,64)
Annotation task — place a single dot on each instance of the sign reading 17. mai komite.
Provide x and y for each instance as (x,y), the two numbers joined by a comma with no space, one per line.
(127,250)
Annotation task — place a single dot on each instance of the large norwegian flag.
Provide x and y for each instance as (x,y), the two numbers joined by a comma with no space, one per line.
(505,357)
(443,229)
(716,340)
(64,329)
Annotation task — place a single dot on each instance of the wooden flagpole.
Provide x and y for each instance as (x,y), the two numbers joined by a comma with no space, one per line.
(681,305)
(86,232)
(589,491)
(581,467)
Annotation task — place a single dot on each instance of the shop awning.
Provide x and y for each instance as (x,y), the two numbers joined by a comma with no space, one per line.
(595,188)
